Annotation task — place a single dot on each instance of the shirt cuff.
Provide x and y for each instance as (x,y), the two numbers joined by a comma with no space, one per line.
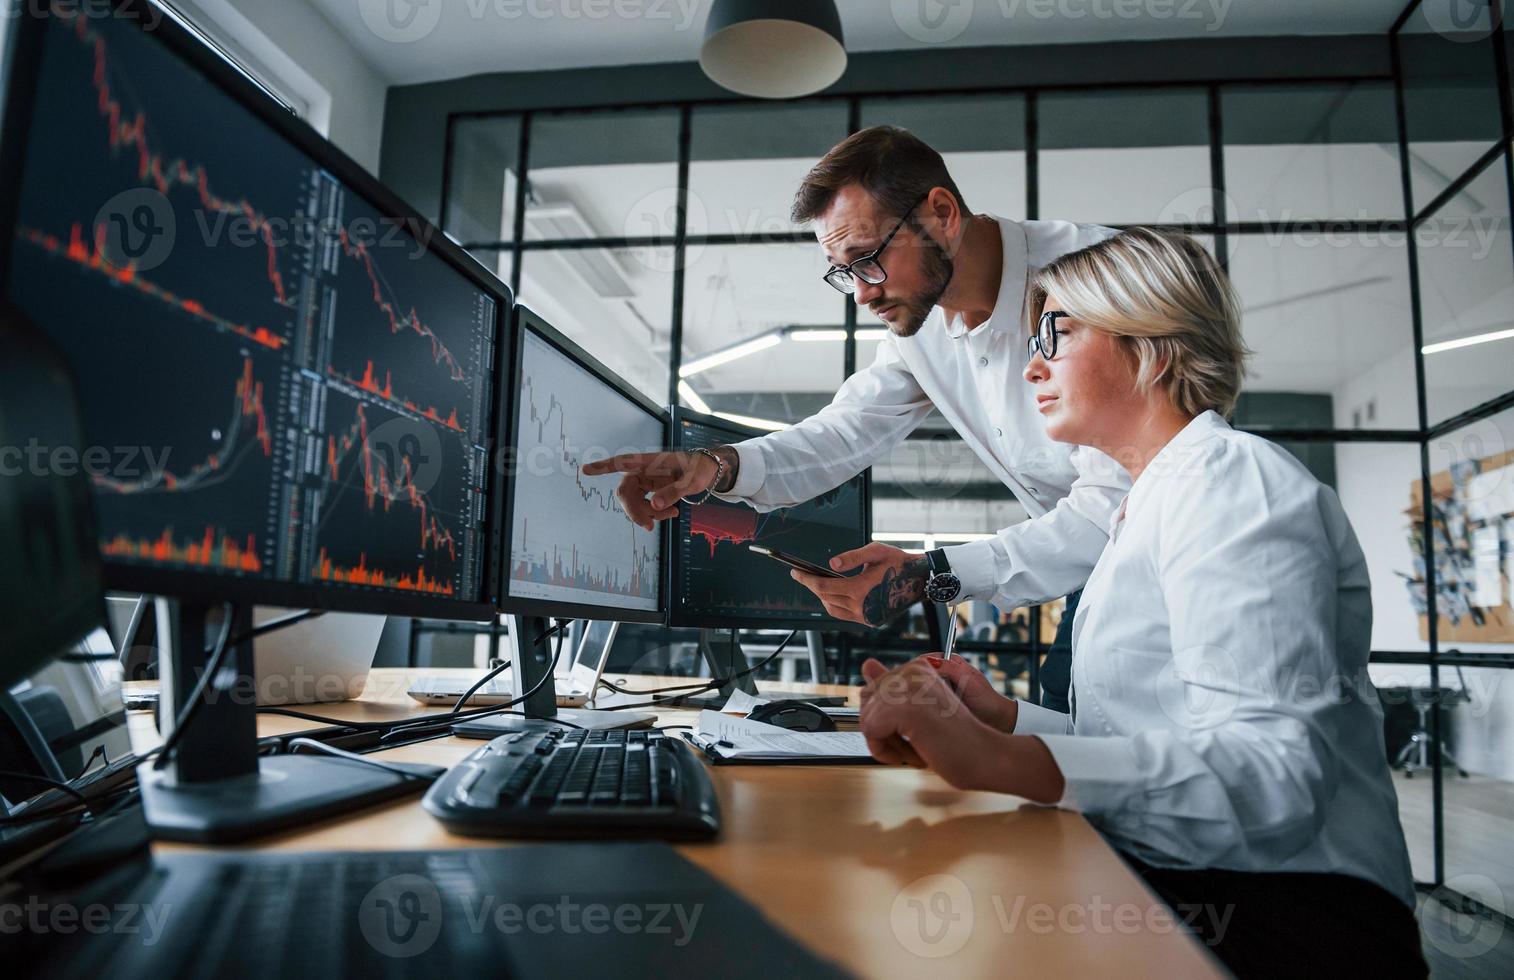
(1032,719)
(751,471)
(973,564)
(1095,770)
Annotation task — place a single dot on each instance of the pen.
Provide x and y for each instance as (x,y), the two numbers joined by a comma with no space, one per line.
(951,633)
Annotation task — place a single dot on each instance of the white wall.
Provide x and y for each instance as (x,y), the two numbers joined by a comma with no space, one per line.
(289,40)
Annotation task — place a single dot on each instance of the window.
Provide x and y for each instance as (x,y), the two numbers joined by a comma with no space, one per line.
(1451,112)
(1125,157)
(746,163)
(763,335)
(1301,152)
(606,174)
(483,179)
(1466,288)
(981,138)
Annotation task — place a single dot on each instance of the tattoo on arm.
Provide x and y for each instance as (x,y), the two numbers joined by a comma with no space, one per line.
(901,588)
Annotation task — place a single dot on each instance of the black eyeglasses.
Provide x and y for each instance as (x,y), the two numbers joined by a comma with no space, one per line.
(1044,340)
(843,278)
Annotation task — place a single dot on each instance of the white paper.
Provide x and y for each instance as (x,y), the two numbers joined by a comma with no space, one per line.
(741,703)
(1487,576)
(1508,564)
(759,740)
(1490,495)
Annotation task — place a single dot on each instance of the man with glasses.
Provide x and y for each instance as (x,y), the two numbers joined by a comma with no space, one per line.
(950,285)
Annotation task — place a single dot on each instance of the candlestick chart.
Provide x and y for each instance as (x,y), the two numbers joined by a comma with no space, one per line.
(279,379)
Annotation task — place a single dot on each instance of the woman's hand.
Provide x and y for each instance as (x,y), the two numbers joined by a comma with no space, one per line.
(975,690)
(911,715)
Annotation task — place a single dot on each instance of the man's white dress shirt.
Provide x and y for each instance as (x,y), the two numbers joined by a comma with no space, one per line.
(1222,716)
(974,379)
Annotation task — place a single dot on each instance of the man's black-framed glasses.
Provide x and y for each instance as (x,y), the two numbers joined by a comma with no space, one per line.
(868,268)
(1044,340)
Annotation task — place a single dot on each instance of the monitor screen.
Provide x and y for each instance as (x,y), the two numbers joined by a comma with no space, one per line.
(288,381)
(716,580)
(573,551)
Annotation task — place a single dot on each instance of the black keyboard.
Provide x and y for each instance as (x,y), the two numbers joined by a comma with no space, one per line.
(578,784)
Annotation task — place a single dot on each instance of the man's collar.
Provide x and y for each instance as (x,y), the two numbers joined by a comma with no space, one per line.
(1009,306)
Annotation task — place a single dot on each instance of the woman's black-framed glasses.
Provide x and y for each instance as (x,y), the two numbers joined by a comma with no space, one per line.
(843,278)
(1044,340)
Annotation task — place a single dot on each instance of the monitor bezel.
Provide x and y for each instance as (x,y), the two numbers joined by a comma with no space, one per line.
(528,320)
(29,23)
(677,614)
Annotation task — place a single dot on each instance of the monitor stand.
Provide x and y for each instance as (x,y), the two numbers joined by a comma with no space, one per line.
(722,653)
(217,789)
(530,665)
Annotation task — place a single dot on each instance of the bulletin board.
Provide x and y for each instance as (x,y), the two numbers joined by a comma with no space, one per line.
(1472,518)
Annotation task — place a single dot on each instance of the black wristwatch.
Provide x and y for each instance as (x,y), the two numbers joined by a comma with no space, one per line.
(941,585)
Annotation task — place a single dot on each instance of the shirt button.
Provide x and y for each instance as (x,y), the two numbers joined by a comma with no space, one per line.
(982,362)
(999,433)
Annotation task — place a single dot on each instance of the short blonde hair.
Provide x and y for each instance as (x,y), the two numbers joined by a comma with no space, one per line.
(1170,304)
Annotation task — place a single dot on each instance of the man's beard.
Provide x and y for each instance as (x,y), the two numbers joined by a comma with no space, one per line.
(938,275)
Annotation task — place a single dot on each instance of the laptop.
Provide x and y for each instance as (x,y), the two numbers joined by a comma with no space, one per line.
(575,688)
(326,658)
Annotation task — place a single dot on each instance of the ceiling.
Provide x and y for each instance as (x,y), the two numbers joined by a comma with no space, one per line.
(409,41)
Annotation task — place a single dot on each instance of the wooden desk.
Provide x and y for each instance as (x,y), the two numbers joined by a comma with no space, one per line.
(864,864)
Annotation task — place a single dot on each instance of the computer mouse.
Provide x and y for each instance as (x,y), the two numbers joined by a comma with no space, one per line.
(800,716)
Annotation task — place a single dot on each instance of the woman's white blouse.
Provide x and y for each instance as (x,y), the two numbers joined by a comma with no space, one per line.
(1222,716)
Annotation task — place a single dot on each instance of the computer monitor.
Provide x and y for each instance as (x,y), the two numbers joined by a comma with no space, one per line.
(572,550)
(716,581)
(290,381)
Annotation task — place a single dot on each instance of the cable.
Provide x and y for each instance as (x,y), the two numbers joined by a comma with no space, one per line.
(310,743)
(191,707)
(273,626)
(56,784)
(711,685)
(481,682)
(562,625)
(455,715)
(655,690)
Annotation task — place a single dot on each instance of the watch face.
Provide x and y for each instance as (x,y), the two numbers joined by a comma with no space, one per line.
(943,587)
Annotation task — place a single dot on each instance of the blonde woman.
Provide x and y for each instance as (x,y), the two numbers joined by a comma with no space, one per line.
(1223,733)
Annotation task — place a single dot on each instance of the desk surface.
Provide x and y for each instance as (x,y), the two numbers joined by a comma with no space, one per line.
(888,871)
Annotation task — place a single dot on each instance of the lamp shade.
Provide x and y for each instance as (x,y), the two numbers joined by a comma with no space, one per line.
(773,49)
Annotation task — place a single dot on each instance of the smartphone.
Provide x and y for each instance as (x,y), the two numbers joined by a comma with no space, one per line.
(793,562)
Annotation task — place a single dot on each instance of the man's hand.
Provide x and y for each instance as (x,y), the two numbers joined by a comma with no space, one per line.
(665,477)
(890,582)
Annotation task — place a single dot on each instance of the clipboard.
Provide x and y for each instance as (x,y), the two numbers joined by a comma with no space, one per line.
(728,740)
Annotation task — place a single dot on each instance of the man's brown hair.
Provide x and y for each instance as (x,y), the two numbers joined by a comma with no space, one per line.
(893,165)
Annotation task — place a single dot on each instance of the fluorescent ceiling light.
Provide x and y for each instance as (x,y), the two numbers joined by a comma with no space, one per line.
(755,423)
(692,399)
(744,349)
(1482,338)
(822,334)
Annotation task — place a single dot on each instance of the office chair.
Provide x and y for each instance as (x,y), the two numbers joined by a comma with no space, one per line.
(1415,755)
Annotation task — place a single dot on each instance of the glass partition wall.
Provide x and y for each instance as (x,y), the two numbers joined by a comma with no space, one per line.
(1364,219)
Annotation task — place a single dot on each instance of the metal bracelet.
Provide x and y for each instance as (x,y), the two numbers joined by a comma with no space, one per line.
(719,475)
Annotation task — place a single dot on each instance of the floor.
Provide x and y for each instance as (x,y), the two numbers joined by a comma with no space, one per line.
(1479,843)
